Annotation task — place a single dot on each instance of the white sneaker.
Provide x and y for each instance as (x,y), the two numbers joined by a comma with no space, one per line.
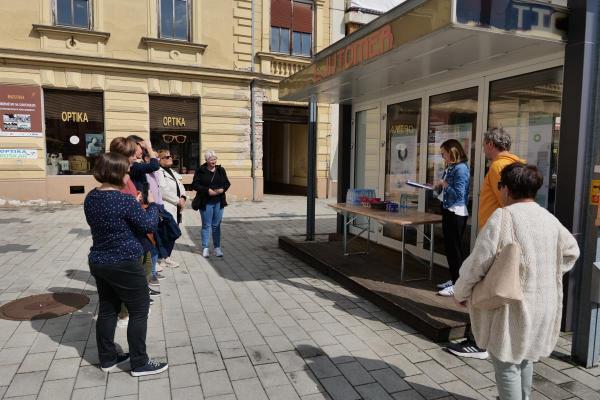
(123,322)
(171,263)
(449,291)
(160,265)
(218,252)
(444,285)
(205,253)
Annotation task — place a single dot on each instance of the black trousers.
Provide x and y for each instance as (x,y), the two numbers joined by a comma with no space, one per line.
(121,283)
(453,227)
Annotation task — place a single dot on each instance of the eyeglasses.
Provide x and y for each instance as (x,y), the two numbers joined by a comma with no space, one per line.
(166,157)
(170,138)
(501,185)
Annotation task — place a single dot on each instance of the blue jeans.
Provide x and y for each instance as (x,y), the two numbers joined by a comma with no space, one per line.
(211,220)
(154,260)
(513,380)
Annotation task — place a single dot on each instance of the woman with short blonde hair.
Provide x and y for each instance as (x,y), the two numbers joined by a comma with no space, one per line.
(210,183)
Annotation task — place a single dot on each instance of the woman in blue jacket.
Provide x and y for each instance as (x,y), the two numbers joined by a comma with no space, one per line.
(454,187)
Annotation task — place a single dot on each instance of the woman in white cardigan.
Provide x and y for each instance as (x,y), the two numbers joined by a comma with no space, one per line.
(516,335)
(173,193)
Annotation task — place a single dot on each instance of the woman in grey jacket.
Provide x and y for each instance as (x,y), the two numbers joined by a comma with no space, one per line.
(518,334)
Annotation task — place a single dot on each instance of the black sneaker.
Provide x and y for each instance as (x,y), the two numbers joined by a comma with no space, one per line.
(154,282)
(154,292)
(151,302)
(151,368)
(467,348)
(121,358)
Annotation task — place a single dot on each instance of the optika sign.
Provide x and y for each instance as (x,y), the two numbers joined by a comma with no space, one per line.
(173,121)
(74,116)
(371,46)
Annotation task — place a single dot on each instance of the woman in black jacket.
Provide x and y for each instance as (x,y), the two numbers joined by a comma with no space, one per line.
(210,183)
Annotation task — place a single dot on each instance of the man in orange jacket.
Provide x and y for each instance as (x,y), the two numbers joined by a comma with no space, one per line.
(496,147)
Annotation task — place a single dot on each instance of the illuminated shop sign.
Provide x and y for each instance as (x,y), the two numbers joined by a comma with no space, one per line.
(512,15)
(74,116)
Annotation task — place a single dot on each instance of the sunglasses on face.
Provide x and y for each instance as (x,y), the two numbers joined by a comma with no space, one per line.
(177,138)
(500,185)
(166,158)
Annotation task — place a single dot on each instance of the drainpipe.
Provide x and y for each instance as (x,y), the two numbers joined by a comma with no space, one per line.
(252,107)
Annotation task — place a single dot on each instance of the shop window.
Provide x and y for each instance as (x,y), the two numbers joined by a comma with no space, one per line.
(402,159)
(73,13)
(291,27)
(74,131)
(528,108)
(175,126)
(452,115)
(174,18)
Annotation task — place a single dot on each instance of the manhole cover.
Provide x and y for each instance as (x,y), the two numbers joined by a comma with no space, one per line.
(43,306)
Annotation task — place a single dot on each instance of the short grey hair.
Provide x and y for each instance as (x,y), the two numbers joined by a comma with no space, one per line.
(499,138)
(208,154)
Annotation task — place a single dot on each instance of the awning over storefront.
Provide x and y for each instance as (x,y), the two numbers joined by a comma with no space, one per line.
(421,42)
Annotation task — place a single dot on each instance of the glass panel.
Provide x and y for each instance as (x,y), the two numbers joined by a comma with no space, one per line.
(166,18)
(74,140)
(297,43)
(528,108)
(451,116)
(64,14)
(181,19)
(366,153)
(81,10)
(284,40)
(274,39)
(402,158)
(306,44)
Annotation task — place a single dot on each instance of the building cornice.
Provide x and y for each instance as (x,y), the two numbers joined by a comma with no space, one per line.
(69,30)
(123,65)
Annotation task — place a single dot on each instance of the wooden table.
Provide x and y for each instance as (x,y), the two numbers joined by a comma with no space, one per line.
(405,218)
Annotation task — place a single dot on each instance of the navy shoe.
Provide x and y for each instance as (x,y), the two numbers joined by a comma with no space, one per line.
(151,368)
(121,358)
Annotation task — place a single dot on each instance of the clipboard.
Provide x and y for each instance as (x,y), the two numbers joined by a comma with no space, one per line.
(419,185)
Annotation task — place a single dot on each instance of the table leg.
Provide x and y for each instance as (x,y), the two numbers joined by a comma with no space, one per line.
(345,239)
(432,250)
(403,255)
(368,234)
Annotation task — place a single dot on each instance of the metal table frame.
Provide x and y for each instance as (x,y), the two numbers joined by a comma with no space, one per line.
(348,220)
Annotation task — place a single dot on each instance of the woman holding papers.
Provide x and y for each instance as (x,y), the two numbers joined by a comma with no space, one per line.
(454,189)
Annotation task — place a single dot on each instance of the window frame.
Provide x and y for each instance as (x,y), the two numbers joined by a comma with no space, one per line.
(189,21)
(290,50)
(90,18)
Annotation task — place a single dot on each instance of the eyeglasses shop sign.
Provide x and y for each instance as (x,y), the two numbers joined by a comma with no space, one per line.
(20,154)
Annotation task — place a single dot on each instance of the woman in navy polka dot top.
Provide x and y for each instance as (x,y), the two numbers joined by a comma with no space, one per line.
(115,219)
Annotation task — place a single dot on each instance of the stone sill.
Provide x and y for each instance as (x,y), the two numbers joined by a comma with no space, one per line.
(148,41)
(284,57)
(69,30)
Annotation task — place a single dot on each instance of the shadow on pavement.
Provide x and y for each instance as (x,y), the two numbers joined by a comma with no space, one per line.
(348,377)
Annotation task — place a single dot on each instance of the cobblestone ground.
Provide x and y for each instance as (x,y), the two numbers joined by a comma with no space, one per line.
(257,324)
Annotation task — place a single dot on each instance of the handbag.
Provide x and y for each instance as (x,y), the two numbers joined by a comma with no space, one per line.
(502,284)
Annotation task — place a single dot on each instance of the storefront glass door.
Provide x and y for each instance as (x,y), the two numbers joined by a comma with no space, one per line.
(528,108)
(452,115)
(402,154)
(367,157)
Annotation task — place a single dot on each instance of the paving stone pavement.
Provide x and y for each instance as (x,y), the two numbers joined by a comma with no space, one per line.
(256,324)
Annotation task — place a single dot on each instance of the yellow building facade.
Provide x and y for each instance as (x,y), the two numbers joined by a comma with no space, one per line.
(122,75)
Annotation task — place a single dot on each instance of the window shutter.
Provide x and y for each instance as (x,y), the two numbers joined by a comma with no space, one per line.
(281,13)
(302,21)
